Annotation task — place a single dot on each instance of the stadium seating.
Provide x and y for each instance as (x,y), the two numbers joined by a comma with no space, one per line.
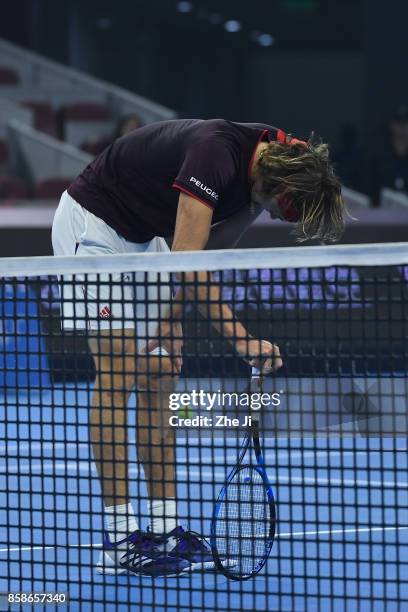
(8,76)
(43,102)
(4,153)
(85,111)
(95,146)
(51,188)
(85,120)
(12,187)
(45,118)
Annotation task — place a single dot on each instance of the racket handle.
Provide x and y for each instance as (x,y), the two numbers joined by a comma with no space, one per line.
(258,372)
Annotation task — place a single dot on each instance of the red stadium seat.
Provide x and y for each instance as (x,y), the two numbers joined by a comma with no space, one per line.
(85,111)
(8,76)
(83,121)
(3,152)
(45,119)
(51,187)
(12,187)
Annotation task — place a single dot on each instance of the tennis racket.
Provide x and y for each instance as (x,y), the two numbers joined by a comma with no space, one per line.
(244,517)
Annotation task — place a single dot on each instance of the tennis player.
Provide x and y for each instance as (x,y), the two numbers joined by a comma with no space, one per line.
(202,183)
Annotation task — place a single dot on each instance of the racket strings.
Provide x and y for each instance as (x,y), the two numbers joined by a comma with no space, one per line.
(242,527)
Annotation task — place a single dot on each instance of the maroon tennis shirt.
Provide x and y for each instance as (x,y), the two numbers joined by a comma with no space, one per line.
(134,185)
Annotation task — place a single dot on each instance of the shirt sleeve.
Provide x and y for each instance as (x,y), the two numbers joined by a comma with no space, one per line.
(207,172)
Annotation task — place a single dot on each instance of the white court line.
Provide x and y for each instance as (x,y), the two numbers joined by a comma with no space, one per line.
(295,534)
(23,548)
(310,453)
(4,448)
(205,443)
(88,467)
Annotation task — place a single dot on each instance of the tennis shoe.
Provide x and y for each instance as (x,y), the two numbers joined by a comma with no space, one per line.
(139,554)
(192,547)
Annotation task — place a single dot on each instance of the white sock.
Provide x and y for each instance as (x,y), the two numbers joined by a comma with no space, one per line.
(163,515)
(120,521)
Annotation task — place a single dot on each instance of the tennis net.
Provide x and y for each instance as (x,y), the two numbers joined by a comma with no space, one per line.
(92,420)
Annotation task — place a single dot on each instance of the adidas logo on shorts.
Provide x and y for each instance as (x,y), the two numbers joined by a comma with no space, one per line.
(105,313)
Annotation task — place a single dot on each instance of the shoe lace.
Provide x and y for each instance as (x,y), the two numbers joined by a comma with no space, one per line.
(195,539)
(144,541)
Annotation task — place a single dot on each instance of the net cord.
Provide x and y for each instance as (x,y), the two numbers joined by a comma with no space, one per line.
(379,254)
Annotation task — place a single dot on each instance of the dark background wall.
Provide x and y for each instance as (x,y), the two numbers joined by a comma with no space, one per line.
(331,62)
(317,98)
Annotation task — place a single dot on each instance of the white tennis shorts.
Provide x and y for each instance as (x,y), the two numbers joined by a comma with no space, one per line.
(107,301)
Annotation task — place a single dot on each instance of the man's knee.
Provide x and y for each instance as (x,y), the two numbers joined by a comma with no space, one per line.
(151,445)
(112,382)
(151,369)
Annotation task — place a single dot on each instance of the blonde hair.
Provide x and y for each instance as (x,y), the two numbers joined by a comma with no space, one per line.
(305,175)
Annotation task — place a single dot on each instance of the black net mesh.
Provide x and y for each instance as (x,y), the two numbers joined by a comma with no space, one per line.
(114,453)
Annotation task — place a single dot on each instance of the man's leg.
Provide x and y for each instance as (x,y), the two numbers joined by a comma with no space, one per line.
(126,548)
(118,370)
(156,447)
(116,367)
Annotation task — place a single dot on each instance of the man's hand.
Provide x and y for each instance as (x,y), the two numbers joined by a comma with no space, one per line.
(260,353)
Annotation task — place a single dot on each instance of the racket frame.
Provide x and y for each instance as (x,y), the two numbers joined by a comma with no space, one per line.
(252,433)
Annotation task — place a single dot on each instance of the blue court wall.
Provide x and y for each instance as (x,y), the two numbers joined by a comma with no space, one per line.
(23,354)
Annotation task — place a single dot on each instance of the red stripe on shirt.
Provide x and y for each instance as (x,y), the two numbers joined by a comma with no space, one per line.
(193,195)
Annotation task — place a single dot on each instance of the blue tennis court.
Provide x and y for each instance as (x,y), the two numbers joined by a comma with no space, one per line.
(342,516)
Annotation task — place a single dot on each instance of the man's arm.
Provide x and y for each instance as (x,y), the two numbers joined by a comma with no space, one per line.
(227,234)
(193,224)
(192,232)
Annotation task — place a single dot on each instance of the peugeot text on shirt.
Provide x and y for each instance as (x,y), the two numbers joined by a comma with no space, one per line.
(208,190)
